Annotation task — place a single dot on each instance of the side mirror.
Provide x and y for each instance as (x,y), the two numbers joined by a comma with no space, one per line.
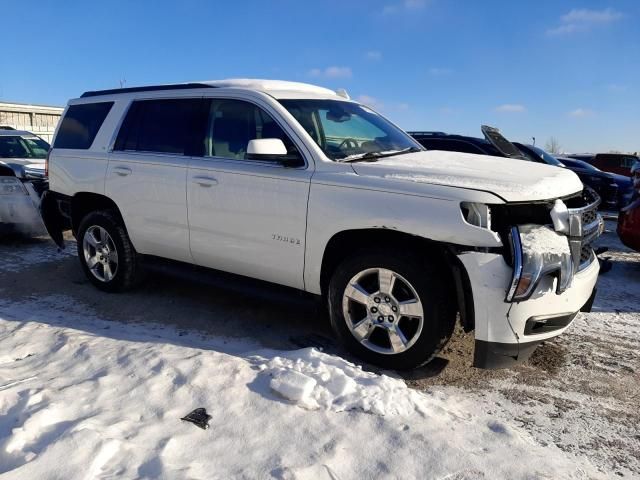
(272,150)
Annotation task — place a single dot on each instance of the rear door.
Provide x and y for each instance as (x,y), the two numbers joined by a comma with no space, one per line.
(147,171)
(246,216)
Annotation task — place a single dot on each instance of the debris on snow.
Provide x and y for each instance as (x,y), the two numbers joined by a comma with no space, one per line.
(199,417)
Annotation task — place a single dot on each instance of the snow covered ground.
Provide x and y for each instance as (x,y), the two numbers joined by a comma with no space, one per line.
(85,396)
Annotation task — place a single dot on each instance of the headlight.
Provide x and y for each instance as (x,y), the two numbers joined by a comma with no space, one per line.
(477,214)
(538,251)
(12,186)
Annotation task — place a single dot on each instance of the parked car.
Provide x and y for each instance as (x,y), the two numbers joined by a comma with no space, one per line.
(461,143)
(612,191)
(606,189)
(619,163)
(615,190)
(22,181)
(497,146)
(629,217)
(299,186)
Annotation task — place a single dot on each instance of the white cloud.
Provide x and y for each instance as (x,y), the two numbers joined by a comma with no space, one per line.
(331,72)
(581,113)
(439,72)
(585,15)
(373,55)
(370,102)
(583,19)
(406,5)
(511,108)
(377,104)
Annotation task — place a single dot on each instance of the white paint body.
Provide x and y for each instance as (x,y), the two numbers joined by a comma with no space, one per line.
(273,223)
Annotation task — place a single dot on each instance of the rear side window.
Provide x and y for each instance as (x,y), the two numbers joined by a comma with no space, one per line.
(80,125)
(163,126)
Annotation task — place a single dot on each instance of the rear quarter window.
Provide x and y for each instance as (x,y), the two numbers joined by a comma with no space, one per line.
(81,124)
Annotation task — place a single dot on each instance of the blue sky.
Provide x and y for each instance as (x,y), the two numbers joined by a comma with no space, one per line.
(568,69)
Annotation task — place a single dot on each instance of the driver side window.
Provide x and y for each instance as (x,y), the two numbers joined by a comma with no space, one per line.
(233,123)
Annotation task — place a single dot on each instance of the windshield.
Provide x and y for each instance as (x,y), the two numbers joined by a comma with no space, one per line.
(550,159)
(23,147)
(346,129)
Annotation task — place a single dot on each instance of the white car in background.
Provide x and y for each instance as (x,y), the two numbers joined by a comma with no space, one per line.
(22,181)
(300,186)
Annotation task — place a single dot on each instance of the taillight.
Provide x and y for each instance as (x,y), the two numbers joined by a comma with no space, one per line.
(46,164)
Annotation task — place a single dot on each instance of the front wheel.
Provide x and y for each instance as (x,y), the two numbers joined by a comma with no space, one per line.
(390,309)
(106,253)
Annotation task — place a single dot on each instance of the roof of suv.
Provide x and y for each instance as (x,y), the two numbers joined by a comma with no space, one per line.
(276,88)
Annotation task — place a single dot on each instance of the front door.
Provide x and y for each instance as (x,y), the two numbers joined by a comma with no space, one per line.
(247,217)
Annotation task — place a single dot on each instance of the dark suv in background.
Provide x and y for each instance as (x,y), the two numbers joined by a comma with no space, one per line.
(497,145)
(602,181)
(619,163)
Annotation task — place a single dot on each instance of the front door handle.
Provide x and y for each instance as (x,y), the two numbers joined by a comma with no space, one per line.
(122,171)
(205,181)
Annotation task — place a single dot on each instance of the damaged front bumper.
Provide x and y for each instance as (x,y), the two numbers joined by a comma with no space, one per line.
(19,206)
(507,333)
(533,290)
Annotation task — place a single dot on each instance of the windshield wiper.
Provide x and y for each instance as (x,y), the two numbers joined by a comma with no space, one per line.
(373,156)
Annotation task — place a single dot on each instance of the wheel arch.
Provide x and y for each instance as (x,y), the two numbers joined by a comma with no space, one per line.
(83,203)
(344,243)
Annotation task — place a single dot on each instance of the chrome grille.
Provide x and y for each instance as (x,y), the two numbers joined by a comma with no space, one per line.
(585,227)
(589,216)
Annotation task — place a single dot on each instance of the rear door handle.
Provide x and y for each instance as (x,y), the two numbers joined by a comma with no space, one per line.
(205,181)
(122,171)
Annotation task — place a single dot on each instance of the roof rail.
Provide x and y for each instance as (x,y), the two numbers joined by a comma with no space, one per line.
(427,133)
(150,88)
(6,127)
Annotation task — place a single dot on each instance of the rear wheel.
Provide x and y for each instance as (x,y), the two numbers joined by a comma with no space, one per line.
(106,253)
(391,309)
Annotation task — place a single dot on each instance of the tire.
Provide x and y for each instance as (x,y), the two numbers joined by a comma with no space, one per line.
(418,342)
(124,266)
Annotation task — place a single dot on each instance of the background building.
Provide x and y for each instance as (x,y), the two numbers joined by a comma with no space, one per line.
(39,119)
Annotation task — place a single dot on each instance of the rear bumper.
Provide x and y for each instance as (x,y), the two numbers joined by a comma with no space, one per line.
(507,333)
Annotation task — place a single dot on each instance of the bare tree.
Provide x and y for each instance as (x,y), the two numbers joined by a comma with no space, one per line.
(553,145)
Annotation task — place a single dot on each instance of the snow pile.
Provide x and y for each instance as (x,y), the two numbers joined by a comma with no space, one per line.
(314,380)
(85,398)
(544,240)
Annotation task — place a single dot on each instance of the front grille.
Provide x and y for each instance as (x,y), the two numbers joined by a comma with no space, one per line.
(586,253)
(587,228)
(589,216)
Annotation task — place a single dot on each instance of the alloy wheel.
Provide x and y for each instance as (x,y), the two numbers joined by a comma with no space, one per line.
(383,311)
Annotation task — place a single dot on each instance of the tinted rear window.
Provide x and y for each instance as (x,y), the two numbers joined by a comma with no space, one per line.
(164,126)
(80,125)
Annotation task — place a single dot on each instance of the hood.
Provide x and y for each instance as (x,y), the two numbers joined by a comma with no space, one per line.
(511,179)
(31,168)
(24,161)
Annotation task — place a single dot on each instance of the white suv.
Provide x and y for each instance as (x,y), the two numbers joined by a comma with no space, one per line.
(300,186)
